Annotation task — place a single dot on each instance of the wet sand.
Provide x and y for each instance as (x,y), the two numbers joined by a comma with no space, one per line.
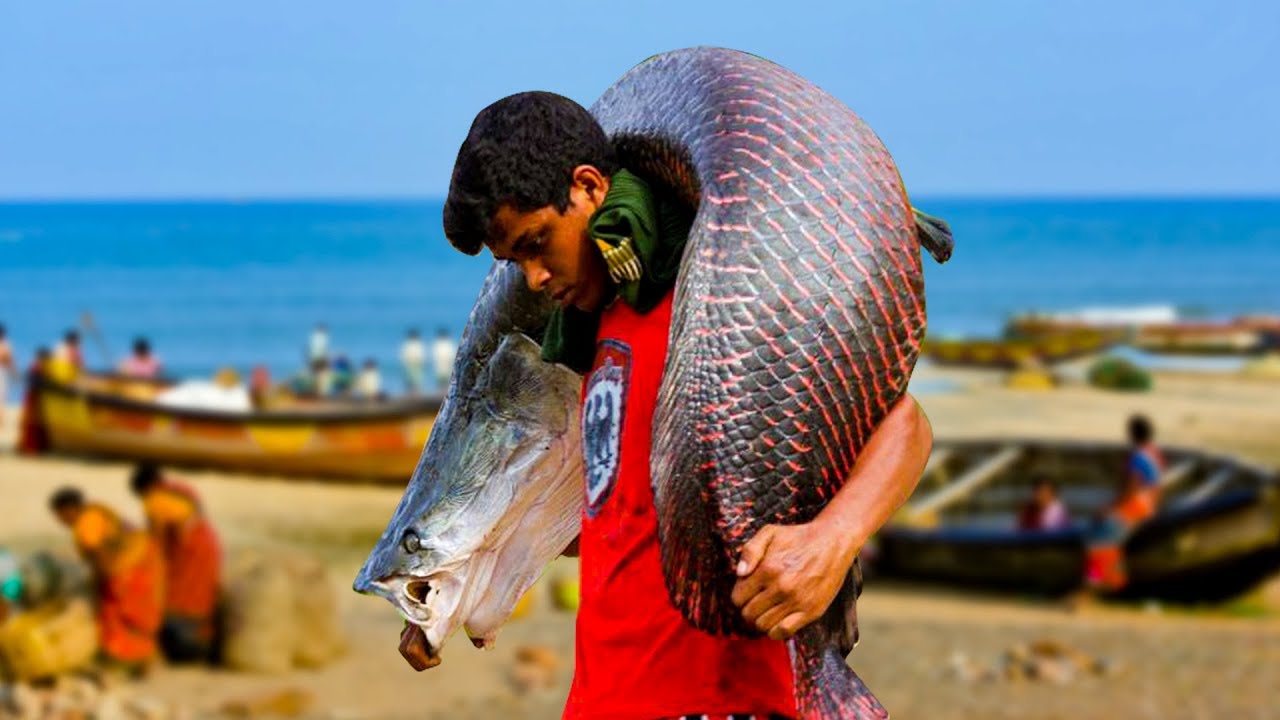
(1169,663)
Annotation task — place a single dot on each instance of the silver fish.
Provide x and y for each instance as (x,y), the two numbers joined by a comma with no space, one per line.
(497,494)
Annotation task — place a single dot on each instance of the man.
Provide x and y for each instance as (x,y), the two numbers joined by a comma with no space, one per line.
(368,384)
(7,369)
(142,364)
(67,361)
(1146,462)
(537,183)
(33,438)
(129,576)
(443,351)
(192,559)
(1105,568)
(413,358)
(318,345)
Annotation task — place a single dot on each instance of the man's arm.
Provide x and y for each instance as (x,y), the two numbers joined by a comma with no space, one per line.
(789,574)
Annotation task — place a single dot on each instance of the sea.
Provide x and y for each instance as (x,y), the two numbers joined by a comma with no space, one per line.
(218,284)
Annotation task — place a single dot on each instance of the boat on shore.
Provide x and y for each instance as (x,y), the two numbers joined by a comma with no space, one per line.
(108,416)
(1009,353)
(1217,531)
(1245,335)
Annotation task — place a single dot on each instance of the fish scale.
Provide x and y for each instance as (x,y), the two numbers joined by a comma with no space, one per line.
(797,322)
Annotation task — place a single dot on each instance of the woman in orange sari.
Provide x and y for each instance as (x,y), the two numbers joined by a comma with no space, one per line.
(193,562)
(129,573)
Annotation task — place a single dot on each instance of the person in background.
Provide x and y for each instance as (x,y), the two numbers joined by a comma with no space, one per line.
(259,385)
(192,558)
(318,346)
(142,363)
(443,351)
(316,382)
(71,350)
(1104,553)
(1146,462)
(129,577)
(413,358)
(67,361)
(7,370)
(1044,511)
(343,376)
(368,383)
(32,437)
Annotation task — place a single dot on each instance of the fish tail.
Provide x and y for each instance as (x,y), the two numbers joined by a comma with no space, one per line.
(826,687)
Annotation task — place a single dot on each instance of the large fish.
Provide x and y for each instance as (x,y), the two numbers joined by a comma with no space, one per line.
(498,491)
(798,315)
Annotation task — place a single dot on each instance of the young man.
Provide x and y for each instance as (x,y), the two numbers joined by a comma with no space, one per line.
(33,439)
(129,574)
(537,183)
(193,562)
(413,358)
(1146,462)
(443,352)
(142,364)
(7,369)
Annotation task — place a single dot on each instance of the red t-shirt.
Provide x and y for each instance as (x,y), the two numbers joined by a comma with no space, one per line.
(637,658)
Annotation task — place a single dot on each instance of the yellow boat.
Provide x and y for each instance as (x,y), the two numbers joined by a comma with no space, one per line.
(112,417)
(1014,352)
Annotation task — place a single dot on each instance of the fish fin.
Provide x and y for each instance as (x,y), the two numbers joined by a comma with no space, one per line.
(826,687)
(934,235)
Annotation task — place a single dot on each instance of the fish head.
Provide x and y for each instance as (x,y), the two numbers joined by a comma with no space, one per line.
(497,492)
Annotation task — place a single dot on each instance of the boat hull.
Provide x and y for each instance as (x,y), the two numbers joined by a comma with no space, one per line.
(377,442)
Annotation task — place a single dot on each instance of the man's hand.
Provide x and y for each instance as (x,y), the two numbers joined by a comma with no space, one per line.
(413,648)
(789,574)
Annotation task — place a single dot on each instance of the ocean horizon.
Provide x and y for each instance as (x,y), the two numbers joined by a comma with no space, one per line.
(216,282)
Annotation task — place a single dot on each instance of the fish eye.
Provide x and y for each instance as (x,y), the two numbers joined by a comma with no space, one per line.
(411,542)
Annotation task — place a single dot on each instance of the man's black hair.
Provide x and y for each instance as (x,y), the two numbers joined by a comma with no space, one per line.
(1140,430)
(520,151)
(141,347)
(145,477)
(66,498)
(3,332)
(72,336)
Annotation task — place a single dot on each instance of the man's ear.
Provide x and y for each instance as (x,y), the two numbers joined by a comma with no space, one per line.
(590,184)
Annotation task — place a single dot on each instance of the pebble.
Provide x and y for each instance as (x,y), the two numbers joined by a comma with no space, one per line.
(1046,661)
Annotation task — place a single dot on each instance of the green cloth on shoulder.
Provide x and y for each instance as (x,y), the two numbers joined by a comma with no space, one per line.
(658,227)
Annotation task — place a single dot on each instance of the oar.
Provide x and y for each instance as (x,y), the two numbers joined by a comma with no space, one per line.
(91,328)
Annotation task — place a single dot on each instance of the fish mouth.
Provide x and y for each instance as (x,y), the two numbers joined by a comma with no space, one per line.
(421,602)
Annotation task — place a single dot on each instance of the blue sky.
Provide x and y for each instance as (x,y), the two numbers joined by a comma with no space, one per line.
(150,99)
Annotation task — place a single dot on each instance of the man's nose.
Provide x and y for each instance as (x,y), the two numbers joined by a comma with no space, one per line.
(536,274)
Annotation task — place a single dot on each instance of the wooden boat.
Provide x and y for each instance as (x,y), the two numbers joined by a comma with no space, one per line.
(1246,335)
(112,417)
(1013,352)
(1216,533)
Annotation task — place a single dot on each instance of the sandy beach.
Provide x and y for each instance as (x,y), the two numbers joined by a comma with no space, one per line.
(1165,662)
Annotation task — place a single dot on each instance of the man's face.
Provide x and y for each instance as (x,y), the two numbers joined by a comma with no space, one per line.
(553,249)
